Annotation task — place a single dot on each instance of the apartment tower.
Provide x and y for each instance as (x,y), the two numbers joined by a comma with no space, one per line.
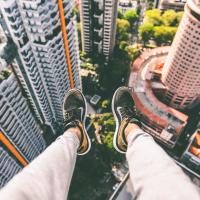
(21,137)
(98,20)
(181,72)
(39,63)
(46,38)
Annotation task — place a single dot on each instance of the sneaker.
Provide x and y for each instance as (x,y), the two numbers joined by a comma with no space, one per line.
(123,109)
(74,112)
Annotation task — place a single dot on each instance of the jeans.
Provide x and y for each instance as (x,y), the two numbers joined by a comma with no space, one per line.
(154,175)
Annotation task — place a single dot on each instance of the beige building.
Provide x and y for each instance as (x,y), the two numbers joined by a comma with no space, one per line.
(181,72)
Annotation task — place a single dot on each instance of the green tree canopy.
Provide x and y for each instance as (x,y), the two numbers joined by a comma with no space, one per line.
(123,45)
(154,17)
(120,14)
(146,31)
(123,27)
(169,18)
(179,16)
(133,52)
(131,15)
(160,27)
(164,34)
(105,104)
(9,51)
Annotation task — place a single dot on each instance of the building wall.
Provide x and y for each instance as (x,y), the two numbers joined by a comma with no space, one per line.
(98,26)
(32,96)
(8,167)
(181,73)
(36,30)
(19,126)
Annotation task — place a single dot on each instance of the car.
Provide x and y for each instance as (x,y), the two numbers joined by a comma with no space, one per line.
(95,99)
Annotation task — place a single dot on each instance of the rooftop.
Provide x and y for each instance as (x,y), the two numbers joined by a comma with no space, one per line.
(144,97)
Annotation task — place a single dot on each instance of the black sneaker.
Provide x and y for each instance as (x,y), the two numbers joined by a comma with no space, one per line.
(123,109)
(74,112)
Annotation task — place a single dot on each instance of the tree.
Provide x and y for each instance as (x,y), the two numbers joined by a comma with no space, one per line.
(120,14)
(150,4)
(131,16)
(153,17)
(77,13)
(164,34)
(123,45)
(146,32)
(6,73)
(83,55)
(123,27)
(138,9)
(169,18)
(9,52)
(105,104)
(133,52)
(108,140)
(179,16)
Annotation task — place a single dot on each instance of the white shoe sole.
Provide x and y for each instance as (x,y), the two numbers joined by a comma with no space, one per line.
(84,119)
(117,123)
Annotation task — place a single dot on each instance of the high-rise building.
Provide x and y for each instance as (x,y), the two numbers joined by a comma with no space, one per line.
(181,72)
(39,62)
(166,82)
(20,134)
(48,58)
(98,27)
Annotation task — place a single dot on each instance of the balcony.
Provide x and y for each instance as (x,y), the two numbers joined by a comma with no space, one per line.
(98,19)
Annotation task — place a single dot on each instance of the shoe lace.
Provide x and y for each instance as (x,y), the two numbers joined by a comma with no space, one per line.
(127,112)
(70,116)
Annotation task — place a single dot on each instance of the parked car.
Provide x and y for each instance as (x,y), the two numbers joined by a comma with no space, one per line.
(95,99)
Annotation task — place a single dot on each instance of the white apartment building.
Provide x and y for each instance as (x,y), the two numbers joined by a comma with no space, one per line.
(18,125)
(45,64)
(98,19)
(181,72)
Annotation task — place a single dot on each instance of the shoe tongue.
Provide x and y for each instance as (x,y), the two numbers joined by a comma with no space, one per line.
(72,115)
(71,124)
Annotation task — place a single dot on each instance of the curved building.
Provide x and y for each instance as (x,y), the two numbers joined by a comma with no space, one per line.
(181,72)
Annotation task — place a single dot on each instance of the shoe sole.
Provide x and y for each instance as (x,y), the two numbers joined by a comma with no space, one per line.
(84,119)
(117,122)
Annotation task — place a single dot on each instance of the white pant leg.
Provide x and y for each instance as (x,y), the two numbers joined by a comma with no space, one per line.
(48,177)
(155,176)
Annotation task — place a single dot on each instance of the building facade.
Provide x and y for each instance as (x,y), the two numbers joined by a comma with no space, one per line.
(48,58)
(165,123)
(39,63)
(98,20)
(21,137)
(181,72)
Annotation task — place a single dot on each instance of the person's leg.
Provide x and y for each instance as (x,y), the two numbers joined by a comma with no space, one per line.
(48,177)
(153,173)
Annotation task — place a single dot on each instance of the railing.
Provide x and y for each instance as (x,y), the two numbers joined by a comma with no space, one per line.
(119,188)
